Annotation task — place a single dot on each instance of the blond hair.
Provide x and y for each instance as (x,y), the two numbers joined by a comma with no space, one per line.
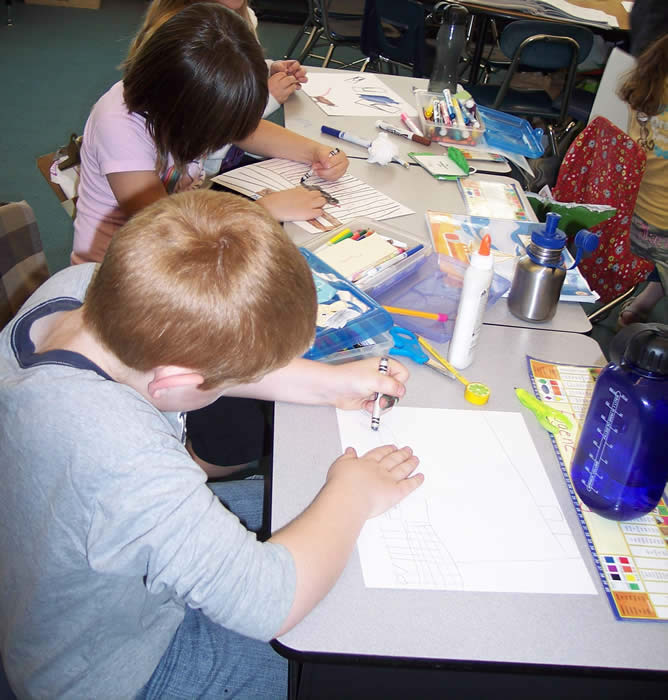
(207,281)
(159,11)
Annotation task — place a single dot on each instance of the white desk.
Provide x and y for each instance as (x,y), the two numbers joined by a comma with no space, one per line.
(465,628)
(413,187)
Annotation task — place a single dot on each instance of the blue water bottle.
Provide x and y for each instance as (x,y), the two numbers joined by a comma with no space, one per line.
(620,467)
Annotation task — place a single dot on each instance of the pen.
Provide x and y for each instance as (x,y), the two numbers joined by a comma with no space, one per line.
(383,367)
(418,314)
(410,124)
(384,126)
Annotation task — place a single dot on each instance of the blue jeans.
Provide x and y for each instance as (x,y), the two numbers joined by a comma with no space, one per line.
(205,660)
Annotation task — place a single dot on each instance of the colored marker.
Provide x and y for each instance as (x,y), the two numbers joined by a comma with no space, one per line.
(340,236)
(359,141)
(345,136)
(449,105)
(384,126)
(418,314)
(410,124)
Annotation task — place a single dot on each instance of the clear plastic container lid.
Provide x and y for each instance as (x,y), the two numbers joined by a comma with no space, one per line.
(510,133)
(434,286)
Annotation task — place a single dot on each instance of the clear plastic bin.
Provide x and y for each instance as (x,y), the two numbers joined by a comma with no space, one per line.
(373,347)
(395,271)
(369,323)
(455,135)
(435,286)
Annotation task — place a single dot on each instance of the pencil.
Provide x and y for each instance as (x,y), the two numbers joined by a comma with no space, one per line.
(442,360)
(419,314)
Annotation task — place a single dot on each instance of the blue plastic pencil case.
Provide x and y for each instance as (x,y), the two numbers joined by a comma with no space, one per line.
(510,133)
(370,318)
(435,286)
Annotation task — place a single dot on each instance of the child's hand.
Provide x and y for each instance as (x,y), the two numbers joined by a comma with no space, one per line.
(290,67)
(282,85)
(296,204)
(329,163)
(356,383)
(382,475)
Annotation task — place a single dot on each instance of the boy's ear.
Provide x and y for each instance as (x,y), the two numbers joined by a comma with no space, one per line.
(165,378)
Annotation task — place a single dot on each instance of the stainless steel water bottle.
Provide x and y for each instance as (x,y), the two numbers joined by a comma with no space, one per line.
(540,273)
(450,42)
(620,467)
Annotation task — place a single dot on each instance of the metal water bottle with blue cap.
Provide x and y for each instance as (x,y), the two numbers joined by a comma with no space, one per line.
(620,467)
(540,273)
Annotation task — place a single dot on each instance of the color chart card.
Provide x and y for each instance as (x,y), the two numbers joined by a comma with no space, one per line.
(631,556)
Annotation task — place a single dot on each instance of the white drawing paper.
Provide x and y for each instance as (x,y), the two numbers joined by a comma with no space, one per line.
(355,95)
(485,518)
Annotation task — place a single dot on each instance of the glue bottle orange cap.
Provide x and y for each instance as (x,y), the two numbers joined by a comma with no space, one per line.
(485,245)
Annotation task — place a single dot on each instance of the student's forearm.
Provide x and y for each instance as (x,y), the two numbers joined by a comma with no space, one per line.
(274,141)
(321,540)
(302,381)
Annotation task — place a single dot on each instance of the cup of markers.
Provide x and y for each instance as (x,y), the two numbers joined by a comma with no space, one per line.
(449,118)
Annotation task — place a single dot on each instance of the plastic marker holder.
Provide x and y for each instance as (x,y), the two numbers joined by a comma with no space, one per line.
(476,393)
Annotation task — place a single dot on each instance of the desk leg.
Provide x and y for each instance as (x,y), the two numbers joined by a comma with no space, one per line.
(479,47)
(294,674)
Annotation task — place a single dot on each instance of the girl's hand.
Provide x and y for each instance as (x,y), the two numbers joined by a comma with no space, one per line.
(290,67)
(356,383)
(296,204)
(281,86)
(329,163)
(382,476)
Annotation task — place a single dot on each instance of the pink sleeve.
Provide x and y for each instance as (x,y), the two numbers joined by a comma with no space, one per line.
(123,144)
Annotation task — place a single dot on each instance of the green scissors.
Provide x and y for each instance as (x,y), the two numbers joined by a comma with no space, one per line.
(545,414)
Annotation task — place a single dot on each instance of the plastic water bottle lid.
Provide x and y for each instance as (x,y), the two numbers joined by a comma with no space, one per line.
(647,347)
(551,236)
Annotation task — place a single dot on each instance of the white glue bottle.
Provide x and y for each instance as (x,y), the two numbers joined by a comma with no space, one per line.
(477,280)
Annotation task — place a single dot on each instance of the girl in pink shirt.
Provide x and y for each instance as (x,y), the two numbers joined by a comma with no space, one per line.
(196,83)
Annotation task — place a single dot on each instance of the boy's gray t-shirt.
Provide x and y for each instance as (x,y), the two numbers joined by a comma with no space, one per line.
(107,527)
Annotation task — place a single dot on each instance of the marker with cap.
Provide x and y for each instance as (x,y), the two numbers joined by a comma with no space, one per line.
(410,124)
(391,129)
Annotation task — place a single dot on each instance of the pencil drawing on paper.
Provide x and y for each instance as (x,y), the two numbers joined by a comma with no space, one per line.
(486,517)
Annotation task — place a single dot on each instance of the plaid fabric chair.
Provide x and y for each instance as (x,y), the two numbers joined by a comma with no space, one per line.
(605,166)
(22,262)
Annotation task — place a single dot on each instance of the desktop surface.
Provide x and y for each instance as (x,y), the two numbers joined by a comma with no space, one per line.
(458,627)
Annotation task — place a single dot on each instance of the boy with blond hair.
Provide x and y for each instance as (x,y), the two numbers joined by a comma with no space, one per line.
(123,575)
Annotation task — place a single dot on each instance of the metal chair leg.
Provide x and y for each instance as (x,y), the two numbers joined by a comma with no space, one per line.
(316,32)
(328,56)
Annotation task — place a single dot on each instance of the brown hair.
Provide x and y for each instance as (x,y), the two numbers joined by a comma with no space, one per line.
(203,280)
(161,10)
(644,87)
(199,80)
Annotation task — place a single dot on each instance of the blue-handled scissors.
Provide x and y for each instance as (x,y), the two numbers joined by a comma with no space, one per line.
(406,344)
